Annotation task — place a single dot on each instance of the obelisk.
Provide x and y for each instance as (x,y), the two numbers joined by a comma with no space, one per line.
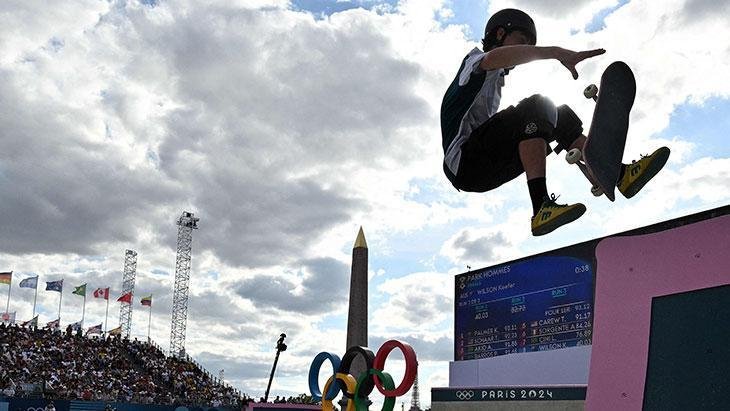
(357,316)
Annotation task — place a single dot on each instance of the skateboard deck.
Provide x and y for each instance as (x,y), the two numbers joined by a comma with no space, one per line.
(606,140)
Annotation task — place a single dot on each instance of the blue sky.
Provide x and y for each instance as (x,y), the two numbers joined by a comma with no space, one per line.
(707,121)
(286,126)
(471,13)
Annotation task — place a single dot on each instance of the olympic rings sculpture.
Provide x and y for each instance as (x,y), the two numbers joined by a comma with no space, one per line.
(357,389)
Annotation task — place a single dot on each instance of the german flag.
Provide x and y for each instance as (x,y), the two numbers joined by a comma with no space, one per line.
(6,277)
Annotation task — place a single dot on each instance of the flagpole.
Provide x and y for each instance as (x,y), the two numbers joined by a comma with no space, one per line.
(106,318)
(35,297)
(7,306)
(149,324)
(59,306)
(83,310)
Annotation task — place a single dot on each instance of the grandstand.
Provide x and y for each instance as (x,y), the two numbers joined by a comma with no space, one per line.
(40,363)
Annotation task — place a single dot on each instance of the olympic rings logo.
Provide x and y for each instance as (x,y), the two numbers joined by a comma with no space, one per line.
(464,395)
(357,390)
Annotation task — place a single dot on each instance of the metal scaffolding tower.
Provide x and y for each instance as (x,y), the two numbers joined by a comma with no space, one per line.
(415,402)
(130,273)
(186,224)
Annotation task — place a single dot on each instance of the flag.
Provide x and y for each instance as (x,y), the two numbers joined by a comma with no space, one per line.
(102,293)
(6,277)
(33,322)
(116,331)
(94,330)
(146,301)
(126,298)
(30,282)
(54,324)
(76,326)
(80,290)
(8,317)
(54,285)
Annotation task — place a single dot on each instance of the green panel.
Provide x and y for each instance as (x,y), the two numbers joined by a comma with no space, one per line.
(689,351)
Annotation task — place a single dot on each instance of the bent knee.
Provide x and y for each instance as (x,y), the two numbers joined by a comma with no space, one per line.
(539,107)
(568,129)
(539,116)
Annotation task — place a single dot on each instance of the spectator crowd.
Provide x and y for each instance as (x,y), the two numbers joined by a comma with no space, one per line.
(72,367)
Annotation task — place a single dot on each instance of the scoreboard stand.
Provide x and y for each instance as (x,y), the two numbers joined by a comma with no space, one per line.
(620,322)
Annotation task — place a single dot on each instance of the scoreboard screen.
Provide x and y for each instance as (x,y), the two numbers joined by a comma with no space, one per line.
(539,304)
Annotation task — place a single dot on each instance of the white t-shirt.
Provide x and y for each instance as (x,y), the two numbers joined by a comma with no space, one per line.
(484,105)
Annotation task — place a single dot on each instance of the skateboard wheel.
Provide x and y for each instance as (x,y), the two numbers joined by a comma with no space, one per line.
(596,191)
(591,91)
(573,156)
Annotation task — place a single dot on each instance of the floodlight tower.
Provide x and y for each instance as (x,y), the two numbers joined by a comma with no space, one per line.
(130,273)
(415,400)
(186,224)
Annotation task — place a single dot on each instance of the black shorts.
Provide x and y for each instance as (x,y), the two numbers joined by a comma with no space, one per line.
(490,156)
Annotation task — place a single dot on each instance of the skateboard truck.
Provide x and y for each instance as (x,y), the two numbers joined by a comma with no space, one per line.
(574,156)
(591,92)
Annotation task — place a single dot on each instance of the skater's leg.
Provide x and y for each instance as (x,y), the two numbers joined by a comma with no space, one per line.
(569,130)
(532,156)
(541,121)
(537,120)
(579,143)
(569,135)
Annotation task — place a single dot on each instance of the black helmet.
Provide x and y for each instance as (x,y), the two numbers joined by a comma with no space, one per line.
(512,19)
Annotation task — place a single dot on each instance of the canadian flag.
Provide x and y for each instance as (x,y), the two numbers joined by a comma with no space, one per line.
(102,293)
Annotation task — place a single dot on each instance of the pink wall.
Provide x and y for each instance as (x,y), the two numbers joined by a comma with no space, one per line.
(631,270)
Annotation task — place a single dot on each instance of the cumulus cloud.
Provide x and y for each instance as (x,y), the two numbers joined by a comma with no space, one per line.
(284,131)
(481,248)
(427,348)
(253,132)
(415,302)
(322,287)
(478,247)
(697,11)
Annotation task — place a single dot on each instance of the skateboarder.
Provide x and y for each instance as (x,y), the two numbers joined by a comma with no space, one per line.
(485,148)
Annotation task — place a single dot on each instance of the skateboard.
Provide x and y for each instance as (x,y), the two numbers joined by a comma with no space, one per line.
(601,158)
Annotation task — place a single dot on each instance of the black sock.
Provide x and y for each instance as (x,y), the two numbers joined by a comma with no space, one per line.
(538,192)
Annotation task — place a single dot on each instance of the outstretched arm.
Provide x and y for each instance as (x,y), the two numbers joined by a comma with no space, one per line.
(510,56)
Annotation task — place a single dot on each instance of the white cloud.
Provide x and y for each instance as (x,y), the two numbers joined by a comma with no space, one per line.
(417,302)
(285,133)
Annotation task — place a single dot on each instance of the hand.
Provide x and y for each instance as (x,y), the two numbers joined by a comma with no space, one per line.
(569,58)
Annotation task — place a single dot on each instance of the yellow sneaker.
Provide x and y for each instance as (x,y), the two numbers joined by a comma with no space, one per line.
(552,215)
(638,173)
